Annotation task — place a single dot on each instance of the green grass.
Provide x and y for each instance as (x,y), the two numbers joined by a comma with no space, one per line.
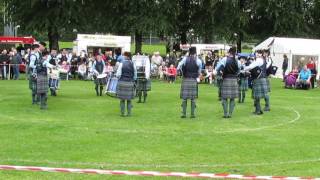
(150,49)
(80,130)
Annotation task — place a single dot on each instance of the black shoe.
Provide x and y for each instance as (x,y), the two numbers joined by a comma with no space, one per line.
(225,116)
(139,102)
(266,109)
(183,116)
(258,113)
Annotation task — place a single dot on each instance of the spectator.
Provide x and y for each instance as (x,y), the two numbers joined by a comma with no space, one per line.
(16,60)
(304,77)
(4,59)
(284,66)
(156,59)
(172,73)
(82,71)
(312,67)
(163,71)
(291,78)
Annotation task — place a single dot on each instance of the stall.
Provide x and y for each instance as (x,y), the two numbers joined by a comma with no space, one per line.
(92,43)
(298,51)
(219,49)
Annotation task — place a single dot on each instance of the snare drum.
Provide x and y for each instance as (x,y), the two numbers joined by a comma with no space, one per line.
(101,79)
(112,86)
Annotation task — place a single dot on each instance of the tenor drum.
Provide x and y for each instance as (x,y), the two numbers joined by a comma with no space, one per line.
(112,86)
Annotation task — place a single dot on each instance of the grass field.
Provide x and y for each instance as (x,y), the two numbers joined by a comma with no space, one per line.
(81,130)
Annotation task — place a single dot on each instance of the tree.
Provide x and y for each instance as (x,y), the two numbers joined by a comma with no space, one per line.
(51,16)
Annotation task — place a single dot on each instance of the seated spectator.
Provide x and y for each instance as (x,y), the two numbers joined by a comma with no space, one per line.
(64,70)
(163,71)
(304,77)
(291,78)
(82,71)
(172,73)
(208,77)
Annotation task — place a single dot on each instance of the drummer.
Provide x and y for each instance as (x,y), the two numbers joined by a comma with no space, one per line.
(143,76)
(127,74)
(98,75)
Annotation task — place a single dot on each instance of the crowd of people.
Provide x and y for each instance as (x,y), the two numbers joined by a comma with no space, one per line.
(301,77)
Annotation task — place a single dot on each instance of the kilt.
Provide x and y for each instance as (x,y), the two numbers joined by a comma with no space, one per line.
(218,81)
(229,88)
(100,81)
(32,84)
(125,90)
(42,84)
(259,88)
(243,84)
(268,84)
(143,85)
(189,89)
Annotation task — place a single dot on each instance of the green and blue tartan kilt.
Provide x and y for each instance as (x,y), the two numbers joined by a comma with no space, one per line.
(32,84)
(259,88)
(229,88)
(243,84)
(218,81)
(189,89)
(143,84)
(268,84)
(42,84)
(125,90)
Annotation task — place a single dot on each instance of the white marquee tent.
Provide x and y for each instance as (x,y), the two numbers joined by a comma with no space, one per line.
(298,51)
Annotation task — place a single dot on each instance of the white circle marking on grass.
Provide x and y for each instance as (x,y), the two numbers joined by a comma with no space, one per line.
(104,164)
(136,131)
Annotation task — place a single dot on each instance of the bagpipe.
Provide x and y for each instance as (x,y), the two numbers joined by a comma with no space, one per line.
(271,70)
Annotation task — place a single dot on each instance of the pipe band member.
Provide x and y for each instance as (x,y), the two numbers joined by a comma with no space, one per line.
(266,56)
(98,69)
(259,84)
(143,76)
(191,70)
(127,74)
(243,81)
(42,79)
(34,57)
(230,88)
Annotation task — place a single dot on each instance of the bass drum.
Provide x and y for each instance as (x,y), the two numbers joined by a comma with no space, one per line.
(112,86)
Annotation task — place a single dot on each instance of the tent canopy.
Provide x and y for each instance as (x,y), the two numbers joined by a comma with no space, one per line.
(290,45)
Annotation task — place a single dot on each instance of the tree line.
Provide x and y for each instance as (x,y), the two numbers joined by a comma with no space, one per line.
(185,20)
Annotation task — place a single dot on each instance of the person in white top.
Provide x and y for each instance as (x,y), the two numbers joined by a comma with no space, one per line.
(143,66)
(259,87)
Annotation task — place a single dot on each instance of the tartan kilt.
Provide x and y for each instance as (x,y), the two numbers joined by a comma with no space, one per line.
(100,81)
(125,90)
(243,84)
(42,84)
(189,89)
(143,85)
(268,84)
(259,88)
(229,88)
(218,81)
(32,84)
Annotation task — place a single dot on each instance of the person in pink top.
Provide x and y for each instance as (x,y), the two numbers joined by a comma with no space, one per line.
(172,73)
